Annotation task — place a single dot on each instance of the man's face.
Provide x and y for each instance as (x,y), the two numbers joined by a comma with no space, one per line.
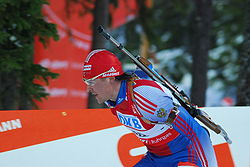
(102,89)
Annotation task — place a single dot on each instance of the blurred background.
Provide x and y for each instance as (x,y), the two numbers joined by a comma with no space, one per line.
(201,46)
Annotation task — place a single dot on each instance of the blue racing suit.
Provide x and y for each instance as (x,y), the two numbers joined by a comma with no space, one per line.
(183,143)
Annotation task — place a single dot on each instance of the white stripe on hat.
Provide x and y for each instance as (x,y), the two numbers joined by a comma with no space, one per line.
(92,53)
(87,67)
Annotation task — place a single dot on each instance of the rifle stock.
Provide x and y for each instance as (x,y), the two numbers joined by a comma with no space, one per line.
(143,64)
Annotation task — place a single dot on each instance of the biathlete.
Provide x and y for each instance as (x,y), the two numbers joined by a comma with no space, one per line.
(173,138)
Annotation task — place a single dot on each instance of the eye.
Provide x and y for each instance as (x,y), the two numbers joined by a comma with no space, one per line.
(89,82)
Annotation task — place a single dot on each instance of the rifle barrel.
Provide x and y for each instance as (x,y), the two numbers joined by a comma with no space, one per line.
(199,114)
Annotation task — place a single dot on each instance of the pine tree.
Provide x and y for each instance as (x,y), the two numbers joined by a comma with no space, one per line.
(20,22)
(243,94)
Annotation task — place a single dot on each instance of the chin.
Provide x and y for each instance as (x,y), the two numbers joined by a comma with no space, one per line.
(99,102)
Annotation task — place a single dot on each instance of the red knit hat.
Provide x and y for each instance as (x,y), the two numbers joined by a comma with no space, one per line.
(101,61)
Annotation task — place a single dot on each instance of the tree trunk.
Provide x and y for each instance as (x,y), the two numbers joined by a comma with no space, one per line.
(9,91)
(101,14)
(200,44)
(243,94)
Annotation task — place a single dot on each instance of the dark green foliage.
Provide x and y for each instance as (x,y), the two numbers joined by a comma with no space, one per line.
(20,22)
(168,26)
(165,24)
(243,92)
(228,28)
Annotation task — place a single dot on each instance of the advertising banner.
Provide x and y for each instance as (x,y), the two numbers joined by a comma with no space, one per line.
(66,56)
(94,137)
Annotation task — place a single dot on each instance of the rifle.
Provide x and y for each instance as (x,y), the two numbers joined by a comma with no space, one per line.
(183,99)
